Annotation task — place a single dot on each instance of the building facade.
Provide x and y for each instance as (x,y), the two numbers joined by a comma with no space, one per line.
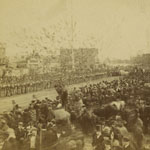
(3,59)
(143,59)
(84,58)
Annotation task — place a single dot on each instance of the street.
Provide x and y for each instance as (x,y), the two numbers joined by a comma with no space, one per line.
(25,99)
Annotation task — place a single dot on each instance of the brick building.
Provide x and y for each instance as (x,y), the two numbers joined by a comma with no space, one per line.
(83,58)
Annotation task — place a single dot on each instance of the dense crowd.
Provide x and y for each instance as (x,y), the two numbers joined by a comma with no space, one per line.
(115,115)
(13,85)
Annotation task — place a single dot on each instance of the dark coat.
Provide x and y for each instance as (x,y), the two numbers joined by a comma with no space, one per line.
(10,144)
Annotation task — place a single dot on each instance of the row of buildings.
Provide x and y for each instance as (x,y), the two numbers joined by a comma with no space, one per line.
(142,60)
(34,62)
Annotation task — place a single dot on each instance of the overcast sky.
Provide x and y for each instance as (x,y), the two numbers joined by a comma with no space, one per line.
(122,27)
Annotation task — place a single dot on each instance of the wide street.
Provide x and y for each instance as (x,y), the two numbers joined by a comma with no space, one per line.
(24,99)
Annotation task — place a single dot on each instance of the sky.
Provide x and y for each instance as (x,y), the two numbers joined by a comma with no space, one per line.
(121,28)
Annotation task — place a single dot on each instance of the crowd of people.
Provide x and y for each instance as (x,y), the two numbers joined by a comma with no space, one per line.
(13,85)
(114,114)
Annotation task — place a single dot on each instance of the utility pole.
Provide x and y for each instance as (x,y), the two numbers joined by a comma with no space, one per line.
(69,5)
(72,43)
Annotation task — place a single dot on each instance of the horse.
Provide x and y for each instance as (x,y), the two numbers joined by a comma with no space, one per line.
(61,115)
(120,105)
(106,111)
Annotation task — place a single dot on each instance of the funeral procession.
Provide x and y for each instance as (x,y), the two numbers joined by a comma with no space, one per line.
(74,75)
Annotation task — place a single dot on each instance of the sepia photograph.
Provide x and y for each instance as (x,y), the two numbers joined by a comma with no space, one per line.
(74,75)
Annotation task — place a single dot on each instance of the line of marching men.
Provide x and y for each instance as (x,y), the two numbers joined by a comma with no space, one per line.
(10,89)
(22,88)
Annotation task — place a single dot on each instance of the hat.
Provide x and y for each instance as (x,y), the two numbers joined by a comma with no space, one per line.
(20,123)
(3,121)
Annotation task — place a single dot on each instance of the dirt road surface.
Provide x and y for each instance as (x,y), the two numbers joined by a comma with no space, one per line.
(24,99)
